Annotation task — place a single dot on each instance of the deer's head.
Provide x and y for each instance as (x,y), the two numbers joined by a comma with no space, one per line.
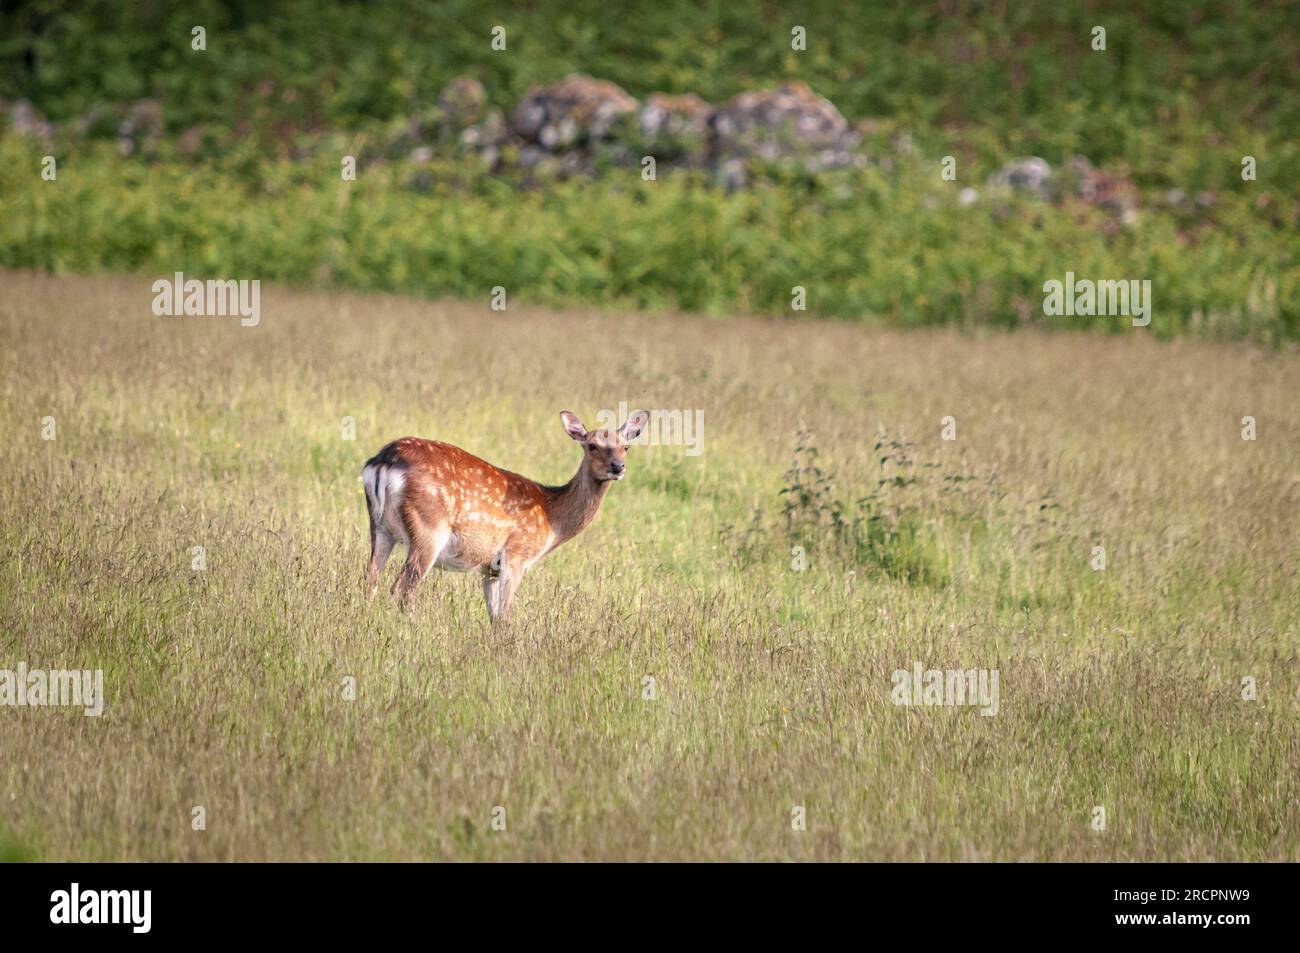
(605,451)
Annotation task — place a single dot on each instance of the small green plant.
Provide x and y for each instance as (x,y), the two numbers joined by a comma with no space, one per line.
(885,529)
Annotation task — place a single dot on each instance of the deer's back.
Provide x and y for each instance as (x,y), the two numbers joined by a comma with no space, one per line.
(483,504)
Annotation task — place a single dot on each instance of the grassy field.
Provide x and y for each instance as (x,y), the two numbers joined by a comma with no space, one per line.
(1120,688)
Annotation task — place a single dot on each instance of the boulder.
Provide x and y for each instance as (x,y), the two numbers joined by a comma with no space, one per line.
(463,103)
(1112,191)
(1031,175)
(141,126)
(26,120)
(577,111)
(788,122)
(731,175)
(491,133)
(676,126)
(1078,180)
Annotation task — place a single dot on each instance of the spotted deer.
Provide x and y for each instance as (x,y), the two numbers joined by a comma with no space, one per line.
(459,513)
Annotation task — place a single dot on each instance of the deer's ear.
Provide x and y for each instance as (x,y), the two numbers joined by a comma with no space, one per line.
(573,426)
(632,428)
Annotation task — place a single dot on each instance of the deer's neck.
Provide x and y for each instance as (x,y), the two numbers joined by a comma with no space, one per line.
(573,506)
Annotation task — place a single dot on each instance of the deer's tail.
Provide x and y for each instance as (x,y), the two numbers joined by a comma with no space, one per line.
(382,477)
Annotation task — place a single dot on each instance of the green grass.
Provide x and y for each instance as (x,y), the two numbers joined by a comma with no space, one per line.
(1119,688)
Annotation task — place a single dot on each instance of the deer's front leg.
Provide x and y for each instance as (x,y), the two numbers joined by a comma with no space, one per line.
(500,584)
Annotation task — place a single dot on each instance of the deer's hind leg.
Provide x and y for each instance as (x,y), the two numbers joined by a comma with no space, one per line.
(381,547)
(381,543)
(426,542)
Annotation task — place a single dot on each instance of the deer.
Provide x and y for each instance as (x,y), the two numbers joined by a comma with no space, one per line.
(457,512)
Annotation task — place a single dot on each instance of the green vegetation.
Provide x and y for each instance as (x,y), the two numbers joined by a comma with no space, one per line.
(1182,92)
(865,245)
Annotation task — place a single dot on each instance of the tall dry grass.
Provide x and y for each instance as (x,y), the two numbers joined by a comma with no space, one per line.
(1120,688)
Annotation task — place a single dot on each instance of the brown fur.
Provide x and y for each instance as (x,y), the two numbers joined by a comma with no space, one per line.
(460,512)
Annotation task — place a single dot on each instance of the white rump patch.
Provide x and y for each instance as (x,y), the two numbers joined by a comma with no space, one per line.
(385,498)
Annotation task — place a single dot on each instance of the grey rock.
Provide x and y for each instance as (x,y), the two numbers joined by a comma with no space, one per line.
(491,133)
(26,120)
(1030,174)
(576,111)
(463,103)
(676,127)
(141,126)
(1112,191)
(733,175)
(790,122)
